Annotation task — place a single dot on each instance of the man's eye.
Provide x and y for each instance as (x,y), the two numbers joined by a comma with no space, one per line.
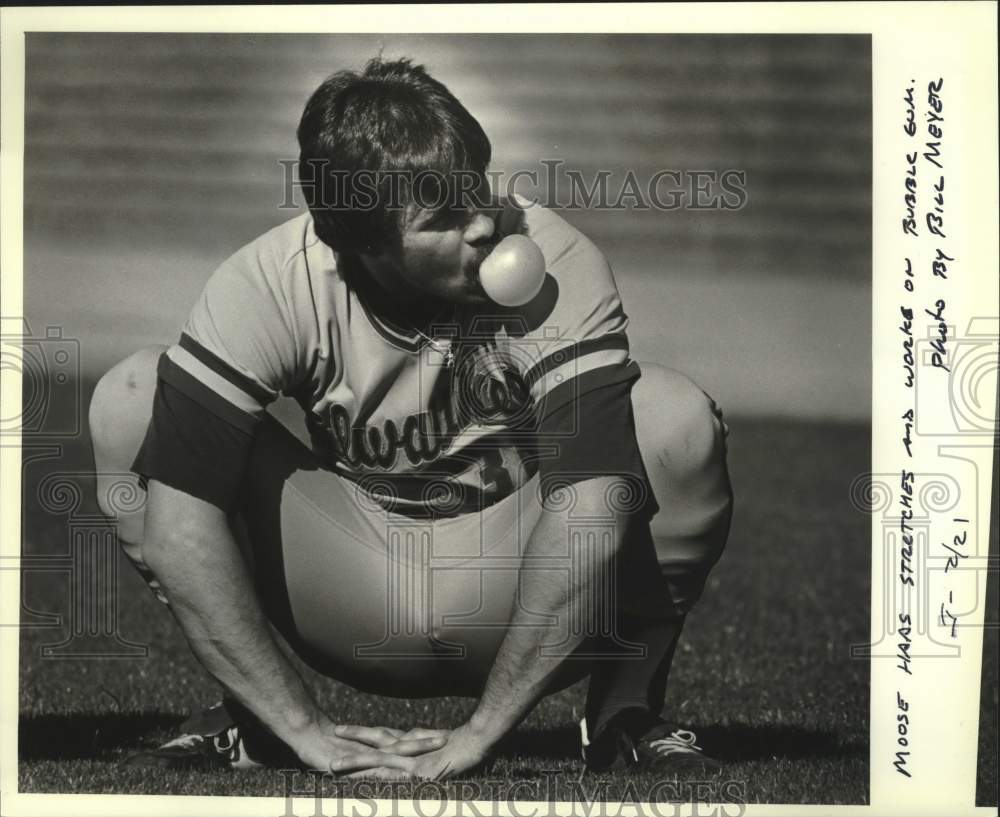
(448,218)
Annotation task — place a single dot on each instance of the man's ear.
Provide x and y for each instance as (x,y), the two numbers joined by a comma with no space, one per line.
(511,219)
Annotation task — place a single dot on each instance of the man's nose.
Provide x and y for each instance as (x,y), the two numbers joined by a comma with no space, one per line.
(480,229)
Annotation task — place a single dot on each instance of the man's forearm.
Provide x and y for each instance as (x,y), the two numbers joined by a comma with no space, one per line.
(521,673)
(211,593)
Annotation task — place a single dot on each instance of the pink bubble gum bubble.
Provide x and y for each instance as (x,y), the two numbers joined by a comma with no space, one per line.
(514,272)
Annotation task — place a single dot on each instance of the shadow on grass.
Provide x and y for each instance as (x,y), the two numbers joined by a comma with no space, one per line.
(104,736)
(94,737)
(732,743)
(742,742)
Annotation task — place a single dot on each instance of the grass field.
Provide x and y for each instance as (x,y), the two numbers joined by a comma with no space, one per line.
(764,673)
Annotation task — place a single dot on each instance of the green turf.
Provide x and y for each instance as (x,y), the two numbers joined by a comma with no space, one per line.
(764,673)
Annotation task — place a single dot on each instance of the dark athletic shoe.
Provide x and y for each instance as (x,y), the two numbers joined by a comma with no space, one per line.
(634,739)
(208,740)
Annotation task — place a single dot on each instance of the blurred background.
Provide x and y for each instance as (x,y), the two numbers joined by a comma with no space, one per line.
(151,158)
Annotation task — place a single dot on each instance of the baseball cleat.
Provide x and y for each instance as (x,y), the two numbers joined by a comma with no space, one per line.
(208,740)
(634,739)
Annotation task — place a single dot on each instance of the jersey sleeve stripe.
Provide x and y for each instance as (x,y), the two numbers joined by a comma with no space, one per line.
(203,395)
(571,389)
(610,361)
(615,342)
(217,365)
(214,383)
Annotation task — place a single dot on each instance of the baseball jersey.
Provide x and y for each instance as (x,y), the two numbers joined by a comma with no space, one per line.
(429,423)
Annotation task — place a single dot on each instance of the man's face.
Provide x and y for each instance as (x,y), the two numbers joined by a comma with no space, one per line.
(441,253)
(438,257)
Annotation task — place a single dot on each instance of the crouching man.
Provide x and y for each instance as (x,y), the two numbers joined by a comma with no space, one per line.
(484,501)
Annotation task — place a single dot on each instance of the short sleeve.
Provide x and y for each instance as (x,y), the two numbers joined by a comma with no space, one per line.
(239,346)
(573,336)
(595,436)
(192,449)
(572,347)
(236,353)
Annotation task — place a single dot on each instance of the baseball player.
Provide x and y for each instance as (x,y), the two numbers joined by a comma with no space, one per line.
(466,499)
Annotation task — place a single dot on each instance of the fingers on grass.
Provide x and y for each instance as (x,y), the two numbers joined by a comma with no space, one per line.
(362,761)
(378,736)
(416,734)
(419,746)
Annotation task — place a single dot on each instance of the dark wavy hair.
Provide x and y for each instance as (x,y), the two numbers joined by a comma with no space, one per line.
(363,140)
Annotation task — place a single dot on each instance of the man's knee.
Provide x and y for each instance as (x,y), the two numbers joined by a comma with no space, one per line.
(133,377)
(125,390)
(682,440)
(118,416)
(679,428)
